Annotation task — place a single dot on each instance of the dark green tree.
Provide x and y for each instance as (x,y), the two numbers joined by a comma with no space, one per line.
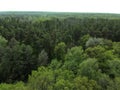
(60,51)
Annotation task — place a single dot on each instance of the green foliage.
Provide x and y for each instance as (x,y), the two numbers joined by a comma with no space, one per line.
(83,40)
(94,42)
(3,44)
(63,79)
(62,85)
(42,58)
(3,41)
(41,79)
(95,52)
(90,69)
(29,41)
(60,51)
(114,85)
(102,56)
(115,68)
(116,49)
(47,79)
(108,44)
(17,86)
(75,54)
(55,64)
(73,58)
(16,61)
(83,83)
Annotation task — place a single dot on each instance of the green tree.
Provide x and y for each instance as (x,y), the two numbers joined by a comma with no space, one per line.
(116,48)
(83,83)
(42,58)
(73,58)
(16,86)
(94,42)
(90,69)
(42,79)
(95,52)
(3,41)
(60,50)
(114,84)
(3,44)
(82,41)
(55,64)
(102,56)
(63,85)
(17,62)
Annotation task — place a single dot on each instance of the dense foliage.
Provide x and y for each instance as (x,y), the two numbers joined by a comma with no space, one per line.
(59,52)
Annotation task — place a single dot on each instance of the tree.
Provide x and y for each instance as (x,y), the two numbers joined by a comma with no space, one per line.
(83,83)
(115,68)
(16,86)
(102,56)
(82,41)
(95,52)
(114,84)
(55,64)
(60,51)
(17,62)
(42,79)
(3,41)
(94,42)
(63,85)
(116,48)
(73,58)
(89,68)
(42,58)
(3,44)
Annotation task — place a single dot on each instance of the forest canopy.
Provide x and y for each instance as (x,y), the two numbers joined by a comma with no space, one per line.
(59,51)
